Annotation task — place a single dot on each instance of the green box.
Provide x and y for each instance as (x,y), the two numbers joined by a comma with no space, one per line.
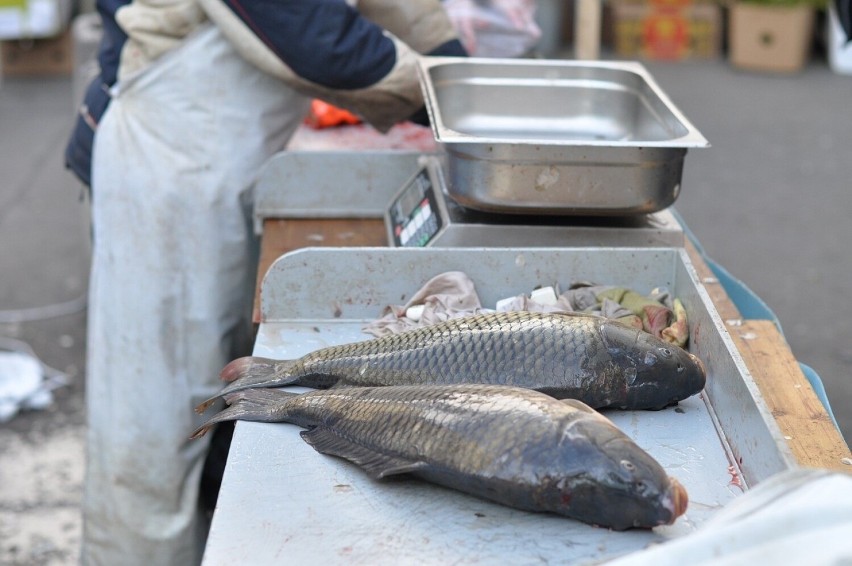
(20,4)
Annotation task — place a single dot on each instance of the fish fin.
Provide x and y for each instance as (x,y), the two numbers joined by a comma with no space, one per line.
(262,405)
(377,465)
(250,372)
(579,405)
(247,364)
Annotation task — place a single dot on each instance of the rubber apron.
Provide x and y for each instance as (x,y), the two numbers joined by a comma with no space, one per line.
(175,156)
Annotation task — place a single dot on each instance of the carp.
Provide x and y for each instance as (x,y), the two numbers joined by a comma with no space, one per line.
(511,445)
(566,355)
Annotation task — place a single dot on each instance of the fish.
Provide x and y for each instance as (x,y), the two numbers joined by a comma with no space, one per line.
(566,355)
(511,445)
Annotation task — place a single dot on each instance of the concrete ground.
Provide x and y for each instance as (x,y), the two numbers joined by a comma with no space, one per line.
(770,201)
(44,257)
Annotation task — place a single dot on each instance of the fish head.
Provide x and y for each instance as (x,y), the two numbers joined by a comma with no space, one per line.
(655,373)
(620,485)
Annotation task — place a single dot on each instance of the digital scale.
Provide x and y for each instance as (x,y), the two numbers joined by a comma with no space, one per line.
(422,213)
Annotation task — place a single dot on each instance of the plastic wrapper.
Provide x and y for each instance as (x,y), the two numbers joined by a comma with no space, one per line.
(495,28)
(324,115)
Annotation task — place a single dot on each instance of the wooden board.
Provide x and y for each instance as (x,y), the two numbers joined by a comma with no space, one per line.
(284,235)
(38,57)
(806,425)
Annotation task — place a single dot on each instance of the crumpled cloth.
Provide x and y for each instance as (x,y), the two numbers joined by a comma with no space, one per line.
(453,294)
(445,296)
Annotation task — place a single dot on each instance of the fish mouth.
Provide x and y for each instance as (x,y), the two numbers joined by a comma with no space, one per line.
(699,363)
(675,501)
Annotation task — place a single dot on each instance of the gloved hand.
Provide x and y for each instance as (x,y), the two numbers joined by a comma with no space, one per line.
(521,13)
(512,18)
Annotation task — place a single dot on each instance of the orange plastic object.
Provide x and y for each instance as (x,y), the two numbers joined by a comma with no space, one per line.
(324,115)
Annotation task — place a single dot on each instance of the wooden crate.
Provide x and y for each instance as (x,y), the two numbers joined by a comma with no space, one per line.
(667,29)
(38,57)
(770,38)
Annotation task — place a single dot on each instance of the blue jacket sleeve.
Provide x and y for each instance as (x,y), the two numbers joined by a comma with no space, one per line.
(324,41)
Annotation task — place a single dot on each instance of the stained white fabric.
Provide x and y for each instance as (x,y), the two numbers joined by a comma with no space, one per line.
(175,156)
(801,516)
(153,28)
(453,294)
(422,24)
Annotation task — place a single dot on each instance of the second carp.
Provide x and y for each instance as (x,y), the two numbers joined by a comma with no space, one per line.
(567,355)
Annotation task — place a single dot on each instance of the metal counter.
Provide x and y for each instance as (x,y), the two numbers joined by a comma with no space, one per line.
(282,501)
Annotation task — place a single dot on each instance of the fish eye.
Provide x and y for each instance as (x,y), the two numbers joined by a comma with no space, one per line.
(665,352)
(628,465)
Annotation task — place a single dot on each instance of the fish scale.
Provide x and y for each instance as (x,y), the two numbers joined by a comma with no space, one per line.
(511,445)
(598,361)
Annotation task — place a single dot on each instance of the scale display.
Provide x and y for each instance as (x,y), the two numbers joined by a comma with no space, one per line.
(422,214)
(413,215)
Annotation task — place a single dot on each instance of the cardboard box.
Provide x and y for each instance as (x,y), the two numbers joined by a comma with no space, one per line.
(31,57)
(667,29)
(770,38)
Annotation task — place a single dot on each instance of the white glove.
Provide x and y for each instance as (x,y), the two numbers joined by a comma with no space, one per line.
(474,19)
(521,13)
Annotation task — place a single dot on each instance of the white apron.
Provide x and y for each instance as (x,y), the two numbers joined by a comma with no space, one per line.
(175,157)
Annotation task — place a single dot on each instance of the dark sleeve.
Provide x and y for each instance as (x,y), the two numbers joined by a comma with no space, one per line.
(324,41)
(112,39)
(452,48)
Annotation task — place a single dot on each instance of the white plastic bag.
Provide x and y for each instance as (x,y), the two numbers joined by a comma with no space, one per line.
(800,516)
(495,28)
(25,381)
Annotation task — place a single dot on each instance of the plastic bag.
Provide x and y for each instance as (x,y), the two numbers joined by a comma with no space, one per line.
(325,115)
(495,28)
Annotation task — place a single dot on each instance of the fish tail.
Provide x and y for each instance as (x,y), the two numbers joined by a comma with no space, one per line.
(261,405)
(249,372)
(248,365)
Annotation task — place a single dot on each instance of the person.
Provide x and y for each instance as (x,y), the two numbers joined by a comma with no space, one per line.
(192,98)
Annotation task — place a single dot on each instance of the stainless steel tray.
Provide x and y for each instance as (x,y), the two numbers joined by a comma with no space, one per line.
(280,497)
(555,136)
